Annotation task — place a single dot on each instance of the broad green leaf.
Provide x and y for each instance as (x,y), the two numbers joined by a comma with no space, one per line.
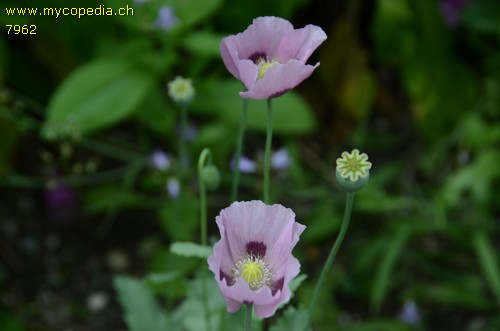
(291,114)
(203,42)
(165,263)
(142,312)
(190,249)
(95,96)
(159,278)
(203,294)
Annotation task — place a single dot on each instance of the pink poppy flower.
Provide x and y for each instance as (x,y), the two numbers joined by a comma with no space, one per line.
(270,56)
(253,261)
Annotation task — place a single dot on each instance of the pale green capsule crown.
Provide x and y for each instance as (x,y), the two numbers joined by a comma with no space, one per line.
(353,170)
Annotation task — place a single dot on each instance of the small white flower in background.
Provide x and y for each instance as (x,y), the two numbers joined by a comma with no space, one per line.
(181,89)
(117,260)
(166,19)
(160,160)
(280,159)
(97,301)
(173,187)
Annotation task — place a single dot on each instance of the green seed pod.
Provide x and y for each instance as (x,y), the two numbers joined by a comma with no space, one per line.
(353,171)
(211,177)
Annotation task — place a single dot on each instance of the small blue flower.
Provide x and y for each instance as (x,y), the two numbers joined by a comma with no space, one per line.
(246,165)
(160,160)
(166,19)
(280,159)
(409,313)
(173,187)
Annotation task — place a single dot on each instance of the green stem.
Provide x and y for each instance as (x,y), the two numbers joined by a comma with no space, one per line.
(248,317)
(239,148)
(109,150)
(182,142)
(111,214)
(267,153)
(205,156)
(333,252)
(205,301)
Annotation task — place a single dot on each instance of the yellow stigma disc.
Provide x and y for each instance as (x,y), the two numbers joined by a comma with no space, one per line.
(252,272)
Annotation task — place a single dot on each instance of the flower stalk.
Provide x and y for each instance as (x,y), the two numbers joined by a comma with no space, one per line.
(333,252)
(239,148)
(248,317)
(204,164)
(352,174)
(182,141)
(267,153)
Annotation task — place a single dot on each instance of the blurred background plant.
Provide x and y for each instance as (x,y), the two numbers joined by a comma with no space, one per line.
(90,179)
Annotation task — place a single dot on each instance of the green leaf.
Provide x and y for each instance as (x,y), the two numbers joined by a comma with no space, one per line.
(154,114)
(324,222)
(476,178)
(159,278)
(483,15)
(489,263)
(191,12)
(204,43)
(10,135)
(164,262)
(294,319)
(295,283)
(3,57)
(455,293)
(291,115)
(9,322)
(385,325)
(189,249)
(190,314)
(179,220)
(383,274)
(95,96)
(105,197)
(142,312)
